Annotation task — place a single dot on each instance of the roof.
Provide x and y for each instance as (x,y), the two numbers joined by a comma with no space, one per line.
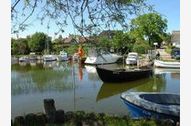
(175,37)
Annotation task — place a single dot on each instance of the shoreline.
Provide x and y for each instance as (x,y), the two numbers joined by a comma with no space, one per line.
(53,117)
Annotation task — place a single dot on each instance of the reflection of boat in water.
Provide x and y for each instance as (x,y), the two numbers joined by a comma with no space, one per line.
(92,73)
(90,69)
(164,64)
(33,63)
(49,64)
(153,105)
(165,70)
(154,84)
(23,63)
(111,89)
(115,74)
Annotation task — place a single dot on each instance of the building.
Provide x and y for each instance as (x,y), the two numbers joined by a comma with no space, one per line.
(175,38)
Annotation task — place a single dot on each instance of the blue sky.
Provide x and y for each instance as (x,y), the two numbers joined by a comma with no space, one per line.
(170,9)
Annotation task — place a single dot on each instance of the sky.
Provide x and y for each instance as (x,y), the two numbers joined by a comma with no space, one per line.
(169,9)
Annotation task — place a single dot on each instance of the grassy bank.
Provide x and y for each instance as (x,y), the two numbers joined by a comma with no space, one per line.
(80,118)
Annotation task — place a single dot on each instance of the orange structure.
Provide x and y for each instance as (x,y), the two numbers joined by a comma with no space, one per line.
(80,52)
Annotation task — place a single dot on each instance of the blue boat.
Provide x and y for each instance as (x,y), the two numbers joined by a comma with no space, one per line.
(152,105)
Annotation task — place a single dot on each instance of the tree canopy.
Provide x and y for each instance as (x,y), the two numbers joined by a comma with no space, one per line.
(39,42)
(151,27)
(87,16)
(19,46)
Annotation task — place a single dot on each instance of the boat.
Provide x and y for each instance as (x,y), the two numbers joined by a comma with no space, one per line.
(152,105)
(32,56)
(103,57)
(165,64)
(118,74)
(132,58)
(49,57)
(63,56)
(24,59)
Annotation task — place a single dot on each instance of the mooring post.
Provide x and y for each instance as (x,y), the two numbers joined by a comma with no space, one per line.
(50,110)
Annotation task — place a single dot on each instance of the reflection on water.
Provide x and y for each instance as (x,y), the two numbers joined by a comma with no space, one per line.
(77,87)
(156,83)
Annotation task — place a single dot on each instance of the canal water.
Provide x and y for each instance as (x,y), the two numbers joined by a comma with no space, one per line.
(75,87)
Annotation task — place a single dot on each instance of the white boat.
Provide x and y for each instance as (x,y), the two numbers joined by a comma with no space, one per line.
(132,58)
(23,59)
(32,56)
(103,58)
(49,58)
(63,56)
(164,64)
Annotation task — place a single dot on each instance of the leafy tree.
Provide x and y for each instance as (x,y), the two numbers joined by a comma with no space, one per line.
(105,42)
(39,42)
(123,40)
(19,46)
(87,16)
(141,47)
(150,27)
(72,49)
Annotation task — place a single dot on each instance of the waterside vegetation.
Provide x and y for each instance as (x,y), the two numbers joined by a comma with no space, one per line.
(143,32)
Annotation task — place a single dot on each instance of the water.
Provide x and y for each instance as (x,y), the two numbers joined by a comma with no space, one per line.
(75,87)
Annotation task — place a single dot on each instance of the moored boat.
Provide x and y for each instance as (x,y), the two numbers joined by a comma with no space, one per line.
(32,56)
(153,105)
(165,64)
(47,58)
(121,74)
(24,59)
(132,58)
(63,56)
(103,57)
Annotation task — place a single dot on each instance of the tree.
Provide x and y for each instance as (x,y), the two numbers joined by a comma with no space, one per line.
(19,46)
(141,47)
(123,40)
(87,16)
(149,27)
(104,42)
(39,42)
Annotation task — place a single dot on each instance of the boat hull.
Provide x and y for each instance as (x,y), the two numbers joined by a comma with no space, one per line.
(157,111)
(122,75)
(162,64)
(104,59)
(49,58)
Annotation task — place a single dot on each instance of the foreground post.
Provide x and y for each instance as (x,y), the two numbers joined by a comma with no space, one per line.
(50,110)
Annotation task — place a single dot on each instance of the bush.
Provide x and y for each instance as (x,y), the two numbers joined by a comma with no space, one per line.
(141,47)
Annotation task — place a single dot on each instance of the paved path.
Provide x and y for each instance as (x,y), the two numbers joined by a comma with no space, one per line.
(164,55)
